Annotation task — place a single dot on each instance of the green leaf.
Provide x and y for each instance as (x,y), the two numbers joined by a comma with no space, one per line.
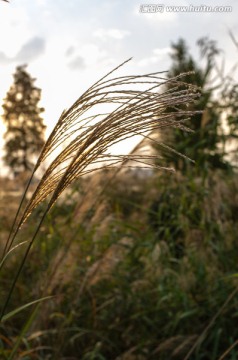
(14,312)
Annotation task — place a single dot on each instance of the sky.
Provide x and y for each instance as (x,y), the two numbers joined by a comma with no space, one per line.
(69,44)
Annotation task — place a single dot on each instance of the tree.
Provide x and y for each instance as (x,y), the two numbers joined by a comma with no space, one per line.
(204,143)
(24,136)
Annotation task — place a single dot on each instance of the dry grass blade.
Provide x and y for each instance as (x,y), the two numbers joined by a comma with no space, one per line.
(87,131)
(227,352)
(210,324)
(169,344)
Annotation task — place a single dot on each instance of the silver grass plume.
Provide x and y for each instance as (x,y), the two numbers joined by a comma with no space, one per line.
(87,137)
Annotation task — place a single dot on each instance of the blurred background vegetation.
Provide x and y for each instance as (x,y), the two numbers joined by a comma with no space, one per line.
(139,262)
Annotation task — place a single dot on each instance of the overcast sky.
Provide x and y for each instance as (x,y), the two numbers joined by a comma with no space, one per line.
(69,44)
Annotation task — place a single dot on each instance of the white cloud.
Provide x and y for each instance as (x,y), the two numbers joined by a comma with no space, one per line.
(29,51)
(162,52)
(41,2)
(157,55)
(77,63)
(4,59)
(70,50)
(90,55)
(116,34)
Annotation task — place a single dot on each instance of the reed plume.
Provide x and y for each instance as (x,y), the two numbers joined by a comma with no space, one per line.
(86,132)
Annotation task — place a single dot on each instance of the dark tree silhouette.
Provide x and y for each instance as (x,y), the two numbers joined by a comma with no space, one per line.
(24,136)
(204,143)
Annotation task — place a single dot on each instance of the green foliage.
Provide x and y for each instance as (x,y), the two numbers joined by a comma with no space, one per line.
(128,292)
(205,144)
(24,137)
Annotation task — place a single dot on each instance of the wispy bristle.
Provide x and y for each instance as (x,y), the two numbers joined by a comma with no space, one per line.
(87,134)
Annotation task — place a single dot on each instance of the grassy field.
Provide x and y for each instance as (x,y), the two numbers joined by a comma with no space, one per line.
(137,270)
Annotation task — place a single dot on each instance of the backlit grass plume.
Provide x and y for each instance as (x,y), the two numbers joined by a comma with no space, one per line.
(135,105)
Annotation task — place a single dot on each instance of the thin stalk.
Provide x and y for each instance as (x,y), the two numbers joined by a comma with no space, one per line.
(219,312)
(9,241)
(22,264)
